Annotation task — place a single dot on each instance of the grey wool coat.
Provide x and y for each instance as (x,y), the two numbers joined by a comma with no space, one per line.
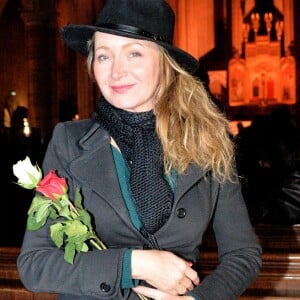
(81,152)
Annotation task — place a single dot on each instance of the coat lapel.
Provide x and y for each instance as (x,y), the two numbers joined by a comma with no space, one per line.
(95,168)
(186,180)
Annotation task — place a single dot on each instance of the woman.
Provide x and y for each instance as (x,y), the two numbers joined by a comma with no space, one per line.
(155,168)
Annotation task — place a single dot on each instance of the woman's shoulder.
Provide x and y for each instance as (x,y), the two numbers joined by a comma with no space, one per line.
(76,130)
(77,127)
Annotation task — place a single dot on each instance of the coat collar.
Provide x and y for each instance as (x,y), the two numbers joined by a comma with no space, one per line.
(95,168)
(186,180)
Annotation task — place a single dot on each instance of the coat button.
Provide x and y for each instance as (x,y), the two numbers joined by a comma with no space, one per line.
(181,213)
(104,287)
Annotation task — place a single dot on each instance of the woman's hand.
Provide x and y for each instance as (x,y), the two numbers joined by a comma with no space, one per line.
(157,294)
(164,271)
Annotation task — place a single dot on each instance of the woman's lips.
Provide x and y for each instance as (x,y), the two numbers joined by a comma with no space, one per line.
(121,89)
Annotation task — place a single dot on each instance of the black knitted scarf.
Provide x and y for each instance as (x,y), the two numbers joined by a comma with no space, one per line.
(136,137)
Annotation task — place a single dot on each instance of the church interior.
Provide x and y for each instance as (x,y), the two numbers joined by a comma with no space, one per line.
(249,56)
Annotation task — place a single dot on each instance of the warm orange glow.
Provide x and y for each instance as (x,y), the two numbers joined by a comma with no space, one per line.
(194,26)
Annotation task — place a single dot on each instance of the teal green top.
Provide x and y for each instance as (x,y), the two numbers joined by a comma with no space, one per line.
(123,173)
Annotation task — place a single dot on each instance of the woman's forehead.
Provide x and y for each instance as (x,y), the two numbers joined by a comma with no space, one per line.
(102,36)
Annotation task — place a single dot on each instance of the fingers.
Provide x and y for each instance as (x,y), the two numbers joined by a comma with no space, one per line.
(192,276)
(181,289)
(187,281)
(186,284)
(164,271)
(155,294)
(148,292)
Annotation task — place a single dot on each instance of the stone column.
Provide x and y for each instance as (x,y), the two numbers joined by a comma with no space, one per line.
(237,27)
(288,11)
(38,17)
(194,26)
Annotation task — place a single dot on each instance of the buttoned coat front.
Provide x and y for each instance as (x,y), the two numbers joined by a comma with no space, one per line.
(81,152)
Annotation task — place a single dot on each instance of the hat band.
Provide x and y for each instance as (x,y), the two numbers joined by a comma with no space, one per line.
(133,30)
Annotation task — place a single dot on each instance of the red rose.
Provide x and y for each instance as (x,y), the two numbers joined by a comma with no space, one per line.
(52,186)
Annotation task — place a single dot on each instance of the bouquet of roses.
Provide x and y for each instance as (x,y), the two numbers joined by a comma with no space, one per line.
(71,227)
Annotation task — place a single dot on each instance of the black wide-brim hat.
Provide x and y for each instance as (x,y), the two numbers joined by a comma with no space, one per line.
(151,20)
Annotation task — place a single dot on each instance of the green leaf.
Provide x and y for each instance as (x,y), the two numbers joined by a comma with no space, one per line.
(53,214)
(73,215)
(32,223)
(80,238)
(84,248)
(78,198)
(65,211)
(85,218)
(42,212)
(37,202)
(75,228)
(57,234)
(63,202)
(69,253)
(79,246)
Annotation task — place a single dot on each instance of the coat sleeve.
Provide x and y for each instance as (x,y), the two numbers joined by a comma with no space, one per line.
(41,264)
(238,249)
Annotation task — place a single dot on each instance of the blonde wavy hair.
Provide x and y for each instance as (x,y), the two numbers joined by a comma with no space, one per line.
(190,126)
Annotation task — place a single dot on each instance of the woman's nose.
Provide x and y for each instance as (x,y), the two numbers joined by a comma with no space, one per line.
(118,68)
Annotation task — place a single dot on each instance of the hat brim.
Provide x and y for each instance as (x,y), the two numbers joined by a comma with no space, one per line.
(76,37)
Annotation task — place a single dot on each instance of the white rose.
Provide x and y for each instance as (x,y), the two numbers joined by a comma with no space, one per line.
(28,175)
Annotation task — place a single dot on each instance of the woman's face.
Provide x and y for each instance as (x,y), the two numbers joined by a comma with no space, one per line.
(126,71)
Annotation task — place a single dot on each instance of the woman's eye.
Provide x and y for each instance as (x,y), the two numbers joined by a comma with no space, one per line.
(102,57)
(135,54)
